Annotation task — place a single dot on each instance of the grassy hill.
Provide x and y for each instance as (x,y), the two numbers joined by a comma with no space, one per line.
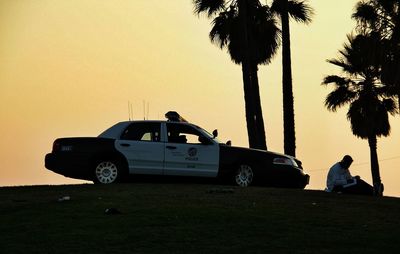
(194,218)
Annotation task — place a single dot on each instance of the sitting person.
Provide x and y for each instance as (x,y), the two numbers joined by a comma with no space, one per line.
(340,180)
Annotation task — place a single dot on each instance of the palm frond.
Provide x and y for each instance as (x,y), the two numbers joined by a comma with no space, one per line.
(210,7)
(390,106)
(339,97)
(365,13)
(222,28)
(346,67)
(267,35)
(369,117)
(359,122)
(300,11)
(337,80)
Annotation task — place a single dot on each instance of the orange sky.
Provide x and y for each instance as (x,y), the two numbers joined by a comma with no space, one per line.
(69,68)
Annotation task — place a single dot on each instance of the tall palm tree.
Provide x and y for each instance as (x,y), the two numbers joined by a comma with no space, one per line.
(246,28)
(382,17)
(301,12)
(360,87)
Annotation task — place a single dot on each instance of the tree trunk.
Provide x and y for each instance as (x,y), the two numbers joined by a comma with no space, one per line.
(376,178)
(287,88)
(256,136)
(249,108)
(258,117)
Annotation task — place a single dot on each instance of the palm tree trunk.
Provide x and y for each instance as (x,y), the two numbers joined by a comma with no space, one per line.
(251,91)
(258,116)
(376,178)
(288,100)
(249,108)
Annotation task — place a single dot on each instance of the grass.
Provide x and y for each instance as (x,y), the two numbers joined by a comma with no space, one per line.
(194,218)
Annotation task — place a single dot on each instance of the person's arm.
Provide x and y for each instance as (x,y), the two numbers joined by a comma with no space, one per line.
(347,174)
(340,181)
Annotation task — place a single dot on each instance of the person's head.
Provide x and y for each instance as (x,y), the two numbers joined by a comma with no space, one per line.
(346,161)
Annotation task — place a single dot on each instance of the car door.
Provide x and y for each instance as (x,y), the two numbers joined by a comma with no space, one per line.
(185,155)
(141,144)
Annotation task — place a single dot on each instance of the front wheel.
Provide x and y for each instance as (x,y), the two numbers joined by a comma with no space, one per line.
(107,172)
(244,175)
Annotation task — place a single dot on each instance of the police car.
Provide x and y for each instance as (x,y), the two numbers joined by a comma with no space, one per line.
(169,148)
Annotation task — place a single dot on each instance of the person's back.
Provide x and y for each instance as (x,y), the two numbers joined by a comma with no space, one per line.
(337,176)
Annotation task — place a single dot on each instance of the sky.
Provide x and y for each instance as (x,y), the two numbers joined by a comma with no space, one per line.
(69,68)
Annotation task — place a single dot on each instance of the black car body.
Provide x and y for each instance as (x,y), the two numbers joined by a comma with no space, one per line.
(169,148)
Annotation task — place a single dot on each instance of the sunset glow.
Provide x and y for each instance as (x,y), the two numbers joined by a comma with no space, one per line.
(70,67)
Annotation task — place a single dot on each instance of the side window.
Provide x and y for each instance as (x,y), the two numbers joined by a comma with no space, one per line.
(183,134)
(142,131)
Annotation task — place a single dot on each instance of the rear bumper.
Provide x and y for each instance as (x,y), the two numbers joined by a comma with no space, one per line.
(67,165)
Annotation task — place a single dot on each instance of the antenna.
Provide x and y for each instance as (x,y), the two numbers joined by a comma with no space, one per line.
(130,111)
(144,110)
(148,109)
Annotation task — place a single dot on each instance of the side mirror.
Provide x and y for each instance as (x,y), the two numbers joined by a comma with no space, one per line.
(229,143)
(204,141)
(215,133)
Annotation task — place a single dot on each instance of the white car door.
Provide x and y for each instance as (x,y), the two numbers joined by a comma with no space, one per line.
(185,155)
(140,143)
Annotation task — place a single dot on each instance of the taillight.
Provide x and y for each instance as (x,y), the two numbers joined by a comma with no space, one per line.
(56,146)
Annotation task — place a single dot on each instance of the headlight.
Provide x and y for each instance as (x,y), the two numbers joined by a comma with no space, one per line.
(285,161)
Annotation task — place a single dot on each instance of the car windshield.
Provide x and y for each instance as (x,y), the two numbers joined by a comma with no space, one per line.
(209,135)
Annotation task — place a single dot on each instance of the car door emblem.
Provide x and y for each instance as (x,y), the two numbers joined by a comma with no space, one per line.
(192,152)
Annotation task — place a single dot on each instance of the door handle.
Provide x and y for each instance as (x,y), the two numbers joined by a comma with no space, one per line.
(124,144)
(171,147)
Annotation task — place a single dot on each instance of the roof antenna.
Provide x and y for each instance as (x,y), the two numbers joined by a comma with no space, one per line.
(130,111)
(144,110)
(148,109)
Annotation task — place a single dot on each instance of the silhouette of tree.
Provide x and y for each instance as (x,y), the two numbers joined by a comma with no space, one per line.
(301,12)
(382,17)
(247,29)
(370,101)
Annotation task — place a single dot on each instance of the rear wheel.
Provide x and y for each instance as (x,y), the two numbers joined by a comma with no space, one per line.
(107,171)
(244,175)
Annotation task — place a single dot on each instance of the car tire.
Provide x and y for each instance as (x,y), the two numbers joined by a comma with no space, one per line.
(108,171)
(244,175)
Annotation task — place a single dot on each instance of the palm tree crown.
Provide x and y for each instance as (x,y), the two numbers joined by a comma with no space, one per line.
(370,101)
(246,28)
(382,17)
(225,31)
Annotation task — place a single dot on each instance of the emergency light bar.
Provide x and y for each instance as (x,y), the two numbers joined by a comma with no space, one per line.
(173,116)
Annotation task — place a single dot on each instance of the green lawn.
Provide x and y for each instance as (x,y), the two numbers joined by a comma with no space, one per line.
(194,218)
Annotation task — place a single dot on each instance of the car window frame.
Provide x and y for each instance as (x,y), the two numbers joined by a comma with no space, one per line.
(197,131)
(160,138)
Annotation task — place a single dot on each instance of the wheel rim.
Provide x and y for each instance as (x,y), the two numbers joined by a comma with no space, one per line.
(244,177)
(106,172)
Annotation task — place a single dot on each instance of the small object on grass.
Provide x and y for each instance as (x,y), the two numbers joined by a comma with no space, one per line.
(218,190)
(65,198)
(19,200)
(112,211)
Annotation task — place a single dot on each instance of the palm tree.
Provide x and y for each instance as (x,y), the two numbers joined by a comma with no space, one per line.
(382,17)
(369,100)
(301,12)
(246,28)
